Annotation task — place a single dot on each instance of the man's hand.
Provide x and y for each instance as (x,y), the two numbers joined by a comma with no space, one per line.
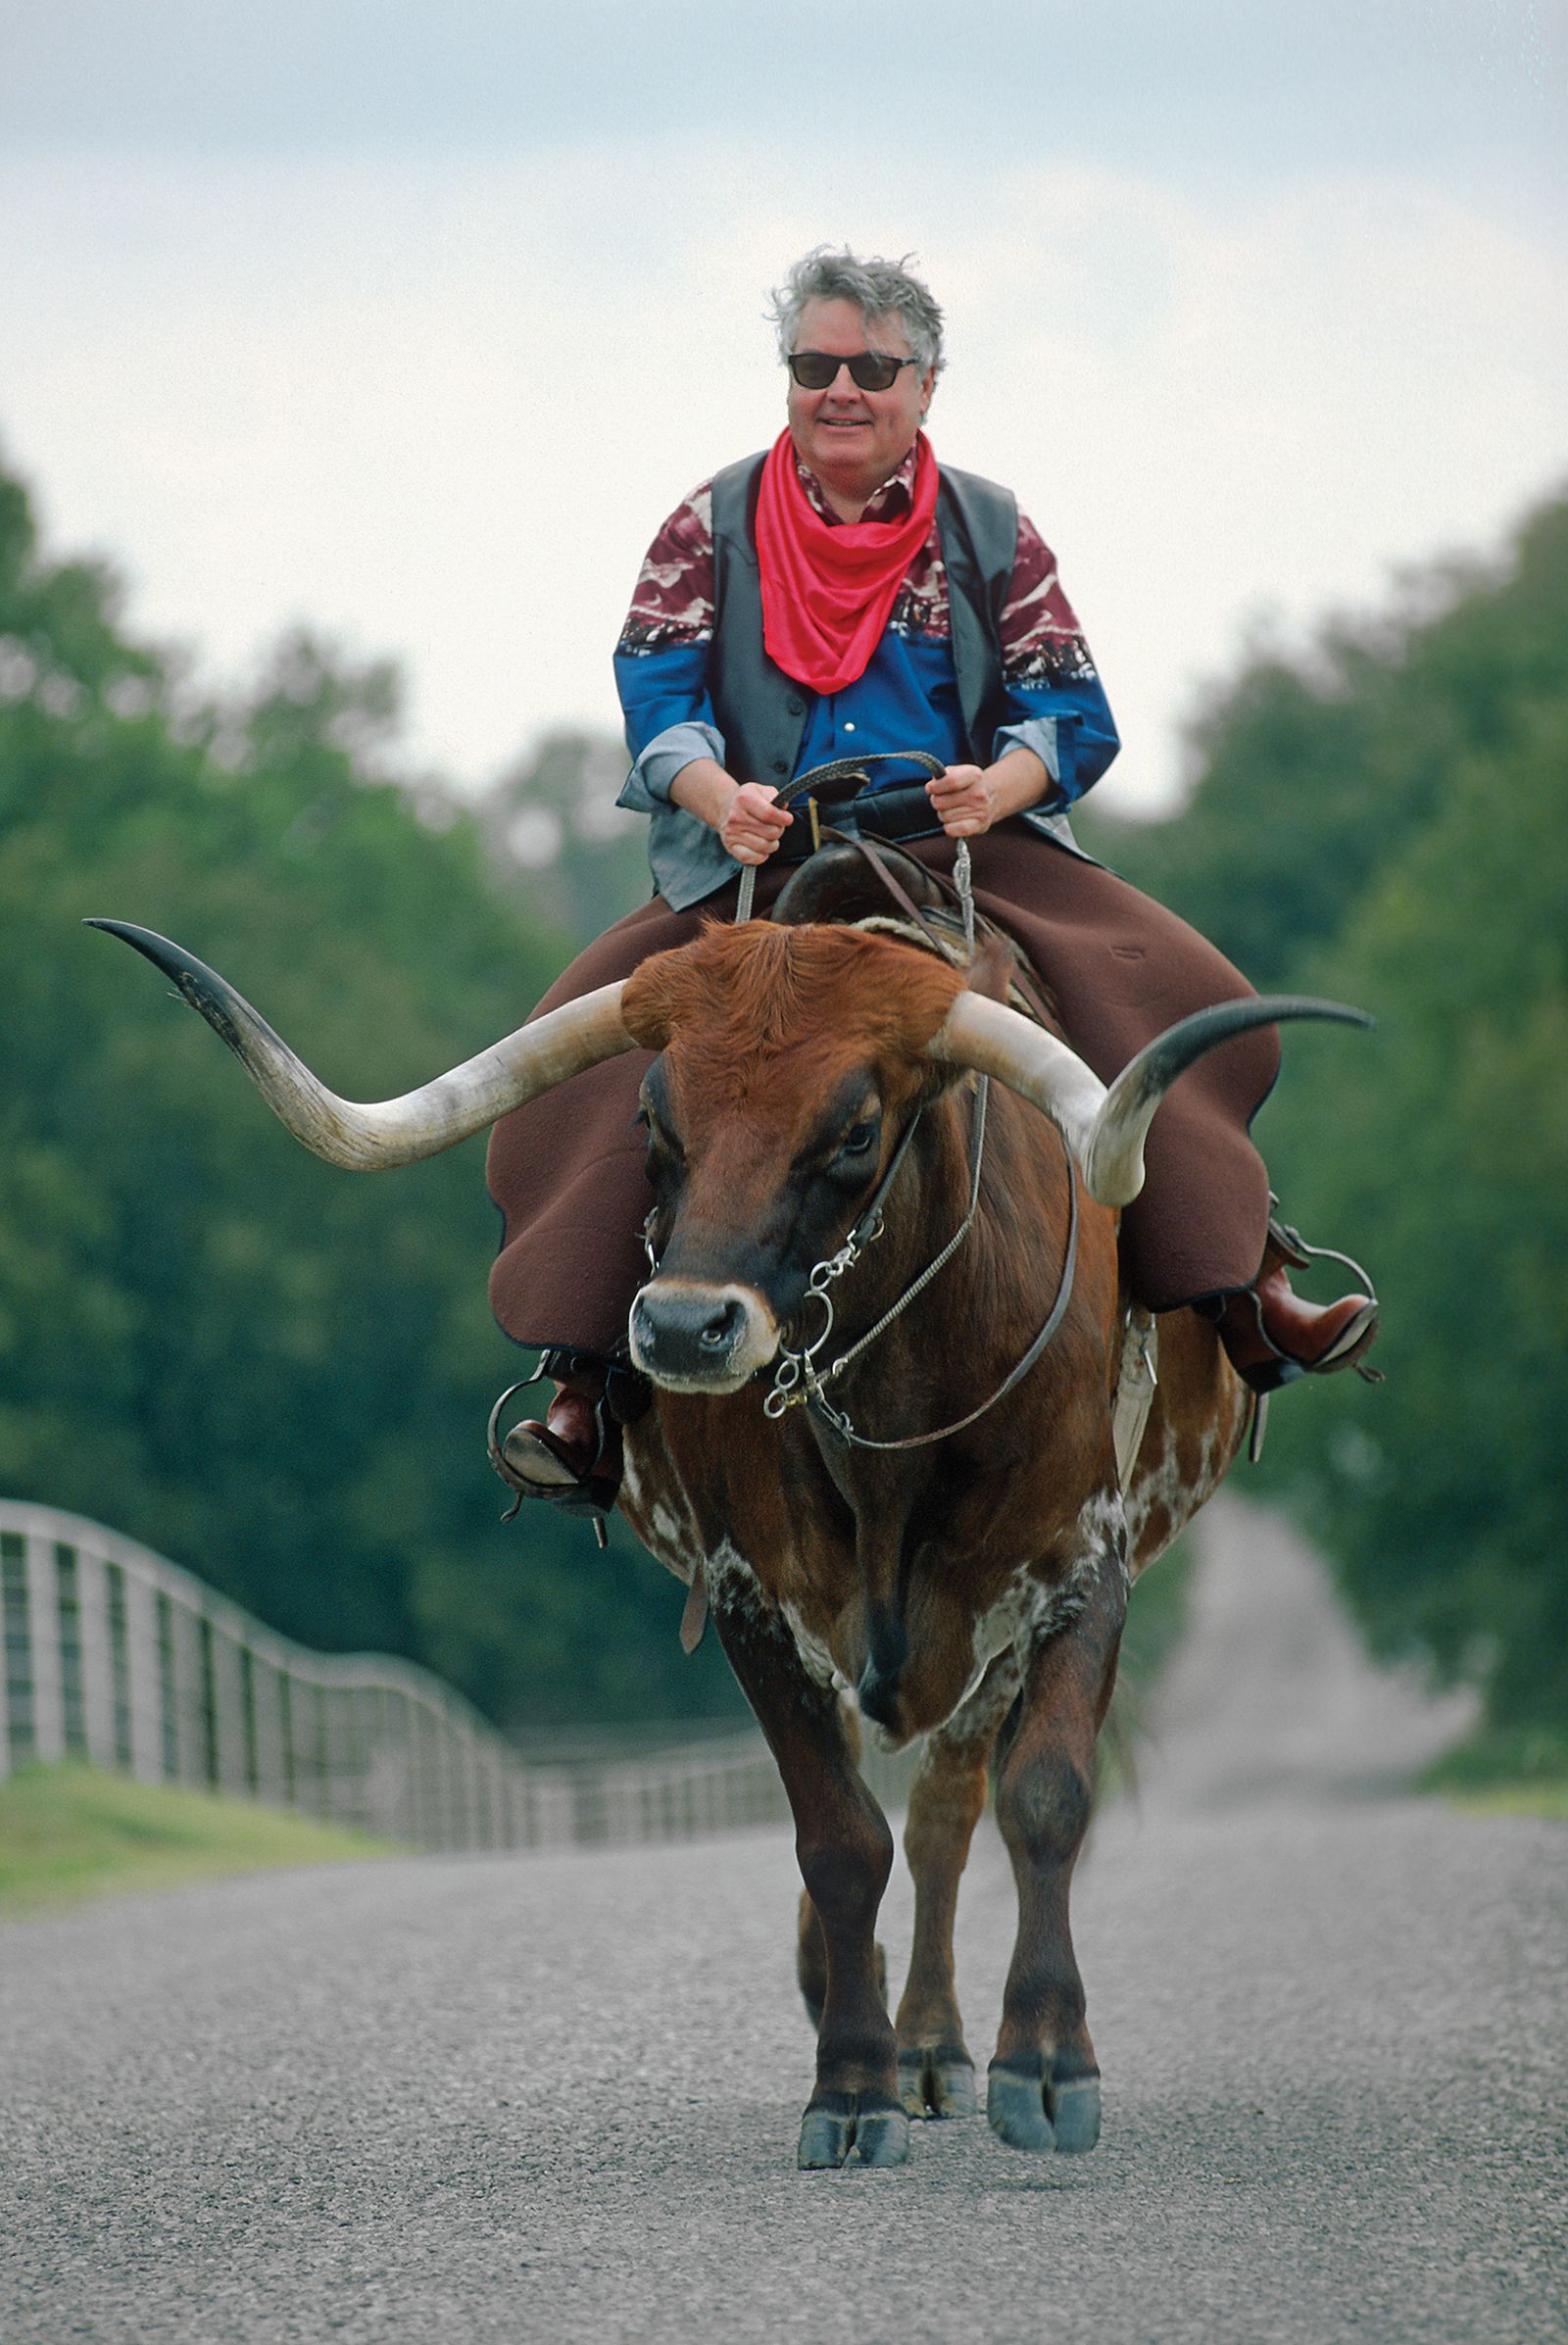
(969,798)
(753,824)
(743,814)
(964,799)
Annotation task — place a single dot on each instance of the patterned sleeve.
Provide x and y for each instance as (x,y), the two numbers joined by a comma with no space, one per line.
(662,657)
(1042,641)
(672,602)
(1057,705)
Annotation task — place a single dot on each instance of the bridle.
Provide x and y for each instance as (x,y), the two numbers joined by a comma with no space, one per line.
(799,1381)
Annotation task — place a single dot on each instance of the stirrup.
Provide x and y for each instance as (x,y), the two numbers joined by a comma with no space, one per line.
(1285,1368)
(592,1493)
(1288,1241)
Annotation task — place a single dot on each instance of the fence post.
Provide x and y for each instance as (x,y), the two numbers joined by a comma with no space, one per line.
(43,1650)
(6,1558)
(146,1693)
(97,1657)
(232,1768)
(266,1709)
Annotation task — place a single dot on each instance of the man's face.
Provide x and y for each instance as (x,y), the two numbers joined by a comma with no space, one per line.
(844,433)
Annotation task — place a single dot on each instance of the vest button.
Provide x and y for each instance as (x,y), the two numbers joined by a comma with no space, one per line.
(779,764)
(796,708)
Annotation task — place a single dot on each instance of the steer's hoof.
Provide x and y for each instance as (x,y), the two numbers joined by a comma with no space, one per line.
(847,2124)
(1041,2112)
(937,2080)
(882,2137)
(1015,2110)
(1075,2114)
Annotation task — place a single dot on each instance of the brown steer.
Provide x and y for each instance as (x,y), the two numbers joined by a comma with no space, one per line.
(970,1588)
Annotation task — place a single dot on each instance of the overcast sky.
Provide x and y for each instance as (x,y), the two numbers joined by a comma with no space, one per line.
(413,323)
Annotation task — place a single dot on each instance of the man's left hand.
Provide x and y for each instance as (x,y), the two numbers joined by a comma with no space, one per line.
(965,800)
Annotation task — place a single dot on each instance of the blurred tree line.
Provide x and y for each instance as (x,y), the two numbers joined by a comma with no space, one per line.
(1385,820)
(274,1372)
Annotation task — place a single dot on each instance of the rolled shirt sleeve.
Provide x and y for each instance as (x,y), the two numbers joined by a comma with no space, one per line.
(647,787)
(669,722)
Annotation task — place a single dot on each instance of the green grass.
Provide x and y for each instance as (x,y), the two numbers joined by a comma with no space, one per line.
(1506,1771)
(75,1832)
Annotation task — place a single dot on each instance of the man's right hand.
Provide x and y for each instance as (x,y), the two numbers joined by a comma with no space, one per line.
(743,814)
(753,824)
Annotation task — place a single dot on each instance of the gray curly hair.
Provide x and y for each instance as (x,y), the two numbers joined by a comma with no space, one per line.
(877,288)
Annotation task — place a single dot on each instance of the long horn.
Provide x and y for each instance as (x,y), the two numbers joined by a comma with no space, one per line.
(1106,1129)
(367,1137)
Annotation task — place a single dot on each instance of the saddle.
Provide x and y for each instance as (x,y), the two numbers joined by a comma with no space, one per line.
(851,882)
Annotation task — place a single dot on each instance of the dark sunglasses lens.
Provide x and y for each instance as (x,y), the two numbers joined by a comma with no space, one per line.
(872,371)
(814,370)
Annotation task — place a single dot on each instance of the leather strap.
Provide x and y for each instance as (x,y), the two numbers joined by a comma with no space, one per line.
(694,1619)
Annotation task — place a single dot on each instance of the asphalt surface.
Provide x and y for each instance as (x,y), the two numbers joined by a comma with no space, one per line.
(555,2097)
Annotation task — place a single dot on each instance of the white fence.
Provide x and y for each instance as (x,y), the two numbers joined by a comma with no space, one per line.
(116,1656)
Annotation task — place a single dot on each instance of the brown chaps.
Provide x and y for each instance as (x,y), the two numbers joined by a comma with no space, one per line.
(567,1174)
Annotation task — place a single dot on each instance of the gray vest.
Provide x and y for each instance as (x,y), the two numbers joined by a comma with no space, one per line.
(761,711)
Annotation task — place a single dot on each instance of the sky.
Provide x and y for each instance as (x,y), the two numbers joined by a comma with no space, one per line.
(411,325)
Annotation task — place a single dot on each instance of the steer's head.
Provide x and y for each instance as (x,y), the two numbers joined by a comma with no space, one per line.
(789,1061)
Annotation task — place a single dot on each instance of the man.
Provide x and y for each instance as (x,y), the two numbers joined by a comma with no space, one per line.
(845,597)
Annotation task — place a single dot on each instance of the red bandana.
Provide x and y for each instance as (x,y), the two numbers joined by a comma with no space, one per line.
(827,592)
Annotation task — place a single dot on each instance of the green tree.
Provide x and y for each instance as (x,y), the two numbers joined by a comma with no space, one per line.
(274,1372)
(1383,821)
(1445,1155)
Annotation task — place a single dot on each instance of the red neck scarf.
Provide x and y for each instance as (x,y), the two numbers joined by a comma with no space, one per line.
(827,592)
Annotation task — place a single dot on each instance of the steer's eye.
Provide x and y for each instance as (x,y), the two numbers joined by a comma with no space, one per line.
(857,1139)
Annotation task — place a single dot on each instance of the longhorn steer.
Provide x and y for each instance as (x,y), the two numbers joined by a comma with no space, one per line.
(971,1589)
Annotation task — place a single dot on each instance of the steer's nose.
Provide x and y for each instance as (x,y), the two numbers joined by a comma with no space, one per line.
(699,1337)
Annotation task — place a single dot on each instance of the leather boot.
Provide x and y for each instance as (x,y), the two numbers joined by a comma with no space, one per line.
(1272,1337)
(573,1458)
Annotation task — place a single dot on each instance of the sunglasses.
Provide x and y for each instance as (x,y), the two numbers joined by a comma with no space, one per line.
(869,369)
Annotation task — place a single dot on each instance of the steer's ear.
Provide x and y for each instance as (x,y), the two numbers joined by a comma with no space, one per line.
(654,994)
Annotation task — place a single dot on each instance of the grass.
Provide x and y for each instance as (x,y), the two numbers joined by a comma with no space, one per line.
(75,1832)
(1506,1771)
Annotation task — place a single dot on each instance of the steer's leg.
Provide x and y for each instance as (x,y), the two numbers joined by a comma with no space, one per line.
(846,1854)
(936,2074)
(1043,2086)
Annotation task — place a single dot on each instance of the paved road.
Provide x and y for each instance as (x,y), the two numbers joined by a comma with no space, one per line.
(555,2097)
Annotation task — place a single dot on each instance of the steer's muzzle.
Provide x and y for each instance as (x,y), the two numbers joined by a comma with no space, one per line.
(691,1338)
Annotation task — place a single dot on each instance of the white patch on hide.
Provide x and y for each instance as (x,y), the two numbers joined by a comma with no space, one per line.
(1031,1609)
(669,1532)
(815,1659)
(1163,1486)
